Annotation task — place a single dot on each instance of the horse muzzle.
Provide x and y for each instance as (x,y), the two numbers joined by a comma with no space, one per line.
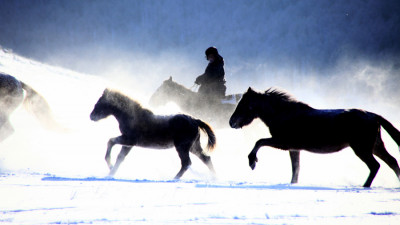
(234,123)
(93,117)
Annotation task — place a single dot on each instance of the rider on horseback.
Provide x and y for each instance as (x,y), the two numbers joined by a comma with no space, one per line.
(212,82)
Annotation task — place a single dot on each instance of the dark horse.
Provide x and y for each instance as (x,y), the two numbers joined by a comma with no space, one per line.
(12,95)
(296,126)
(215,112)
(140,127)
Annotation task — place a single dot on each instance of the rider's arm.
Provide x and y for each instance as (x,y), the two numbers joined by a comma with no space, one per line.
(200,79)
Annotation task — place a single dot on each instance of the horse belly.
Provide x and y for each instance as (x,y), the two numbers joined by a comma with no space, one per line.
(326,148)
(156,144)
(320,135)
(319,143)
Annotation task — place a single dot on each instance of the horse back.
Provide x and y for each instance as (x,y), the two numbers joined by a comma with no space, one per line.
(183,125)
(322,131)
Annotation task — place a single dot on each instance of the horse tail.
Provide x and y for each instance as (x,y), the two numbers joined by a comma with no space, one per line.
(392,131)
(38,106)
(210,133)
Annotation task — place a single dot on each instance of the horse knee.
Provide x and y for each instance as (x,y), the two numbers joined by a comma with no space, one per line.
(186,162)
(205,158)
(111,143)
(374,166)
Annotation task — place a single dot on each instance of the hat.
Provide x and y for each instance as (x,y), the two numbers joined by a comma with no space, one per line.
(211,50)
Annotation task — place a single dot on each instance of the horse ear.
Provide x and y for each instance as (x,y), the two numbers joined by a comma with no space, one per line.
(170,78)
(106,91)
(250,90)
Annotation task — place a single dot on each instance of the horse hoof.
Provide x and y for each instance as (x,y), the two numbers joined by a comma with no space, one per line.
(252,162)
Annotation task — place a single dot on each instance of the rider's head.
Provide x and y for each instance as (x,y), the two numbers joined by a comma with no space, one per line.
(211,51)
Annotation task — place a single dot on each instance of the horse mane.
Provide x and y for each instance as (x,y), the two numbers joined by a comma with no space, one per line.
(284,99)
(122,101)
(177,85)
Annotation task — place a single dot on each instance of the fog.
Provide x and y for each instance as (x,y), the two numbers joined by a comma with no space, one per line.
(265,43)
(328,54)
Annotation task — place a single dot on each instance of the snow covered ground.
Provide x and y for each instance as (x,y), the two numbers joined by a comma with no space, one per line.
(42,199)
(52,178)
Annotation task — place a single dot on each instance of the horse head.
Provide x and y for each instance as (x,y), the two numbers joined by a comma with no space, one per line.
(245,111)
(171,91)
(102,107)
(159,96)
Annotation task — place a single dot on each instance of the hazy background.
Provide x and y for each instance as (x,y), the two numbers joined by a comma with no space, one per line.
(331,54)
(262,41)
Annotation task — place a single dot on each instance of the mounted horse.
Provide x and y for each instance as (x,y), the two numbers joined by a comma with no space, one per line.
(140,127)
(12,95)
(215,112)
(296,126)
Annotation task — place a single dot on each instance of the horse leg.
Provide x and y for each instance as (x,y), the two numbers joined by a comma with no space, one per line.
(110,145)
(198,151)
(382,153)
(121,156)
(6,129)
(122,140)
(365,154)
(183,152)
(295,159)
(260,143)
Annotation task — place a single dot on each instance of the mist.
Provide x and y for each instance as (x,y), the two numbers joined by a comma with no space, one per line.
(328,54)
(265,43)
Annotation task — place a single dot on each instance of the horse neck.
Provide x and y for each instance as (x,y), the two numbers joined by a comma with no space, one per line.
(183,96)
(184,92)
(118,113)
(135,113)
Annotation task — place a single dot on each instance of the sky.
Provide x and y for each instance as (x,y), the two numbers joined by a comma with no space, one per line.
(304,35)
